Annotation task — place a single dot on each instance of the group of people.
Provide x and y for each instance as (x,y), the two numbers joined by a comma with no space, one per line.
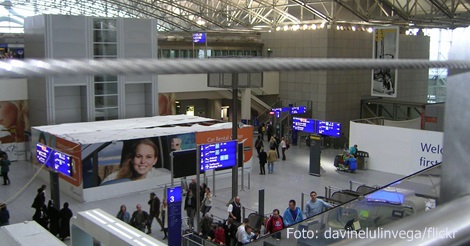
(235,231)
(272,155)
(142,219)
(190,202)
(49,217)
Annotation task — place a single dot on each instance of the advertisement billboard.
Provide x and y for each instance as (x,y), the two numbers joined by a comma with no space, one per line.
(385,46)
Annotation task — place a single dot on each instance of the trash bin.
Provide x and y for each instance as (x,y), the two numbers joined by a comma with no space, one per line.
(361,161)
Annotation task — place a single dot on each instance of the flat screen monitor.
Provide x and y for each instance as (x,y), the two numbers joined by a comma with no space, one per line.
(218,155)
(328,128)
(184,163)
(303,124)
(44,154)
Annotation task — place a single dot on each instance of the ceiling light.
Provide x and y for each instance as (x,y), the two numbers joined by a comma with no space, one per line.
(278,28)
(314,26)
(322,25)
(305,27)
(295,27)
(353,28)
(286,28)
(370,30)
(337,27)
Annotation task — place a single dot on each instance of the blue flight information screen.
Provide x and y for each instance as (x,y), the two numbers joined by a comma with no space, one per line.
(44,155)
(303,124)
(62,163)
(328,128)
(298,110)
(218,155)
(54,159)
(199,37)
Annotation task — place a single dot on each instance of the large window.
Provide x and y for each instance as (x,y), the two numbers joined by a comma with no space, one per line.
(106,86)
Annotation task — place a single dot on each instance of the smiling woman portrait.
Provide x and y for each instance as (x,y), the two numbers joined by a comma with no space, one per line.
(138,164)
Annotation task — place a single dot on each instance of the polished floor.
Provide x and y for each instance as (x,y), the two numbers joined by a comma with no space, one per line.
(290,179)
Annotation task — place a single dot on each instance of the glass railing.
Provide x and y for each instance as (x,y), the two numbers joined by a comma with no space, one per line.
(369,213)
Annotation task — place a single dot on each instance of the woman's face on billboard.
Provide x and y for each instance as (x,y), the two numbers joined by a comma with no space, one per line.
(145,158)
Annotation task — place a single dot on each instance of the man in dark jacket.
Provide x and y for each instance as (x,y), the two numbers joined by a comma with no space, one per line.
(190,207)
(65,216)
(154,203)
(139,218)
(263,159)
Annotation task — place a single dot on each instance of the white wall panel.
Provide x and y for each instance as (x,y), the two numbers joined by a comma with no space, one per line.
(13,89)
(397,150)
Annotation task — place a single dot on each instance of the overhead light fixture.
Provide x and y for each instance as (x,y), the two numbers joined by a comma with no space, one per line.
(119,231)
(341,28)
(353,28)
(323,25)
(305,27)
(314,27)
(295,27)
(337,27)
(370,30)
(278,28)
(286,27)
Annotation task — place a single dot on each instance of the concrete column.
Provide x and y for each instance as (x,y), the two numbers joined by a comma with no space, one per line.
(455,168)
(246,104)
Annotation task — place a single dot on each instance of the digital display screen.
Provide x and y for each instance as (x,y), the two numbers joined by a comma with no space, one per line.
(44,155)
(62,163)
(218,155)
(199,37)
(303,124)
(328,128)
(54,159)
(298,110)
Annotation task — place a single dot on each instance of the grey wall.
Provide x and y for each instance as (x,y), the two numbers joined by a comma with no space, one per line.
(336,94)
(70,104)
(35,46)
(59,36)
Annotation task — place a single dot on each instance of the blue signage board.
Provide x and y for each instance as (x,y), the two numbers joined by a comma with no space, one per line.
(298,110)
(44,155)
(328,128)
(199,37)
(218,155)
(54,159)
(62,163)
(174,199)
(303,124)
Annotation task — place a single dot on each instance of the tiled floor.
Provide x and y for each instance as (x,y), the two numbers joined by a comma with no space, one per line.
(289,180)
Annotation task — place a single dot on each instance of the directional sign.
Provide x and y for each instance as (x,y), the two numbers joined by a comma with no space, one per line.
(298,110)
(62,163)
(218,155)
(303,124)
(199,37)
(174,200)
(44,155)
(328,128)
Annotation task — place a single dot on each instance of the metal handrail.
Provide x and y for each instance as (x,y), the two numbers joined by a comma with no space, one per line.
(448,224)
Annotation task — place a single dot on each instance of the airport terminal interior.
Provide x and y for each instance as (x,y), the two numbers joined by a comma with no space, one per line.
(173,76)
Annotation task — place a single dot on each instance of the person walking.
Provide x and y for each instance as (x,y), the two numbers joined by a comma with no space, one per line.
(263,158)
(190,207)
(139,218)
(164,215)
(206,201)
(65,216)
(259,144)
(4,215)
(154,211)
(272,157)
(5,163)
(54,217)
(284,148)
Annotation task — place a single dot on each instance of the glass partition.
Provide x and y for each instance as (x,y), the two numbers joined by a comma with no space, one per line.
(367,214)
